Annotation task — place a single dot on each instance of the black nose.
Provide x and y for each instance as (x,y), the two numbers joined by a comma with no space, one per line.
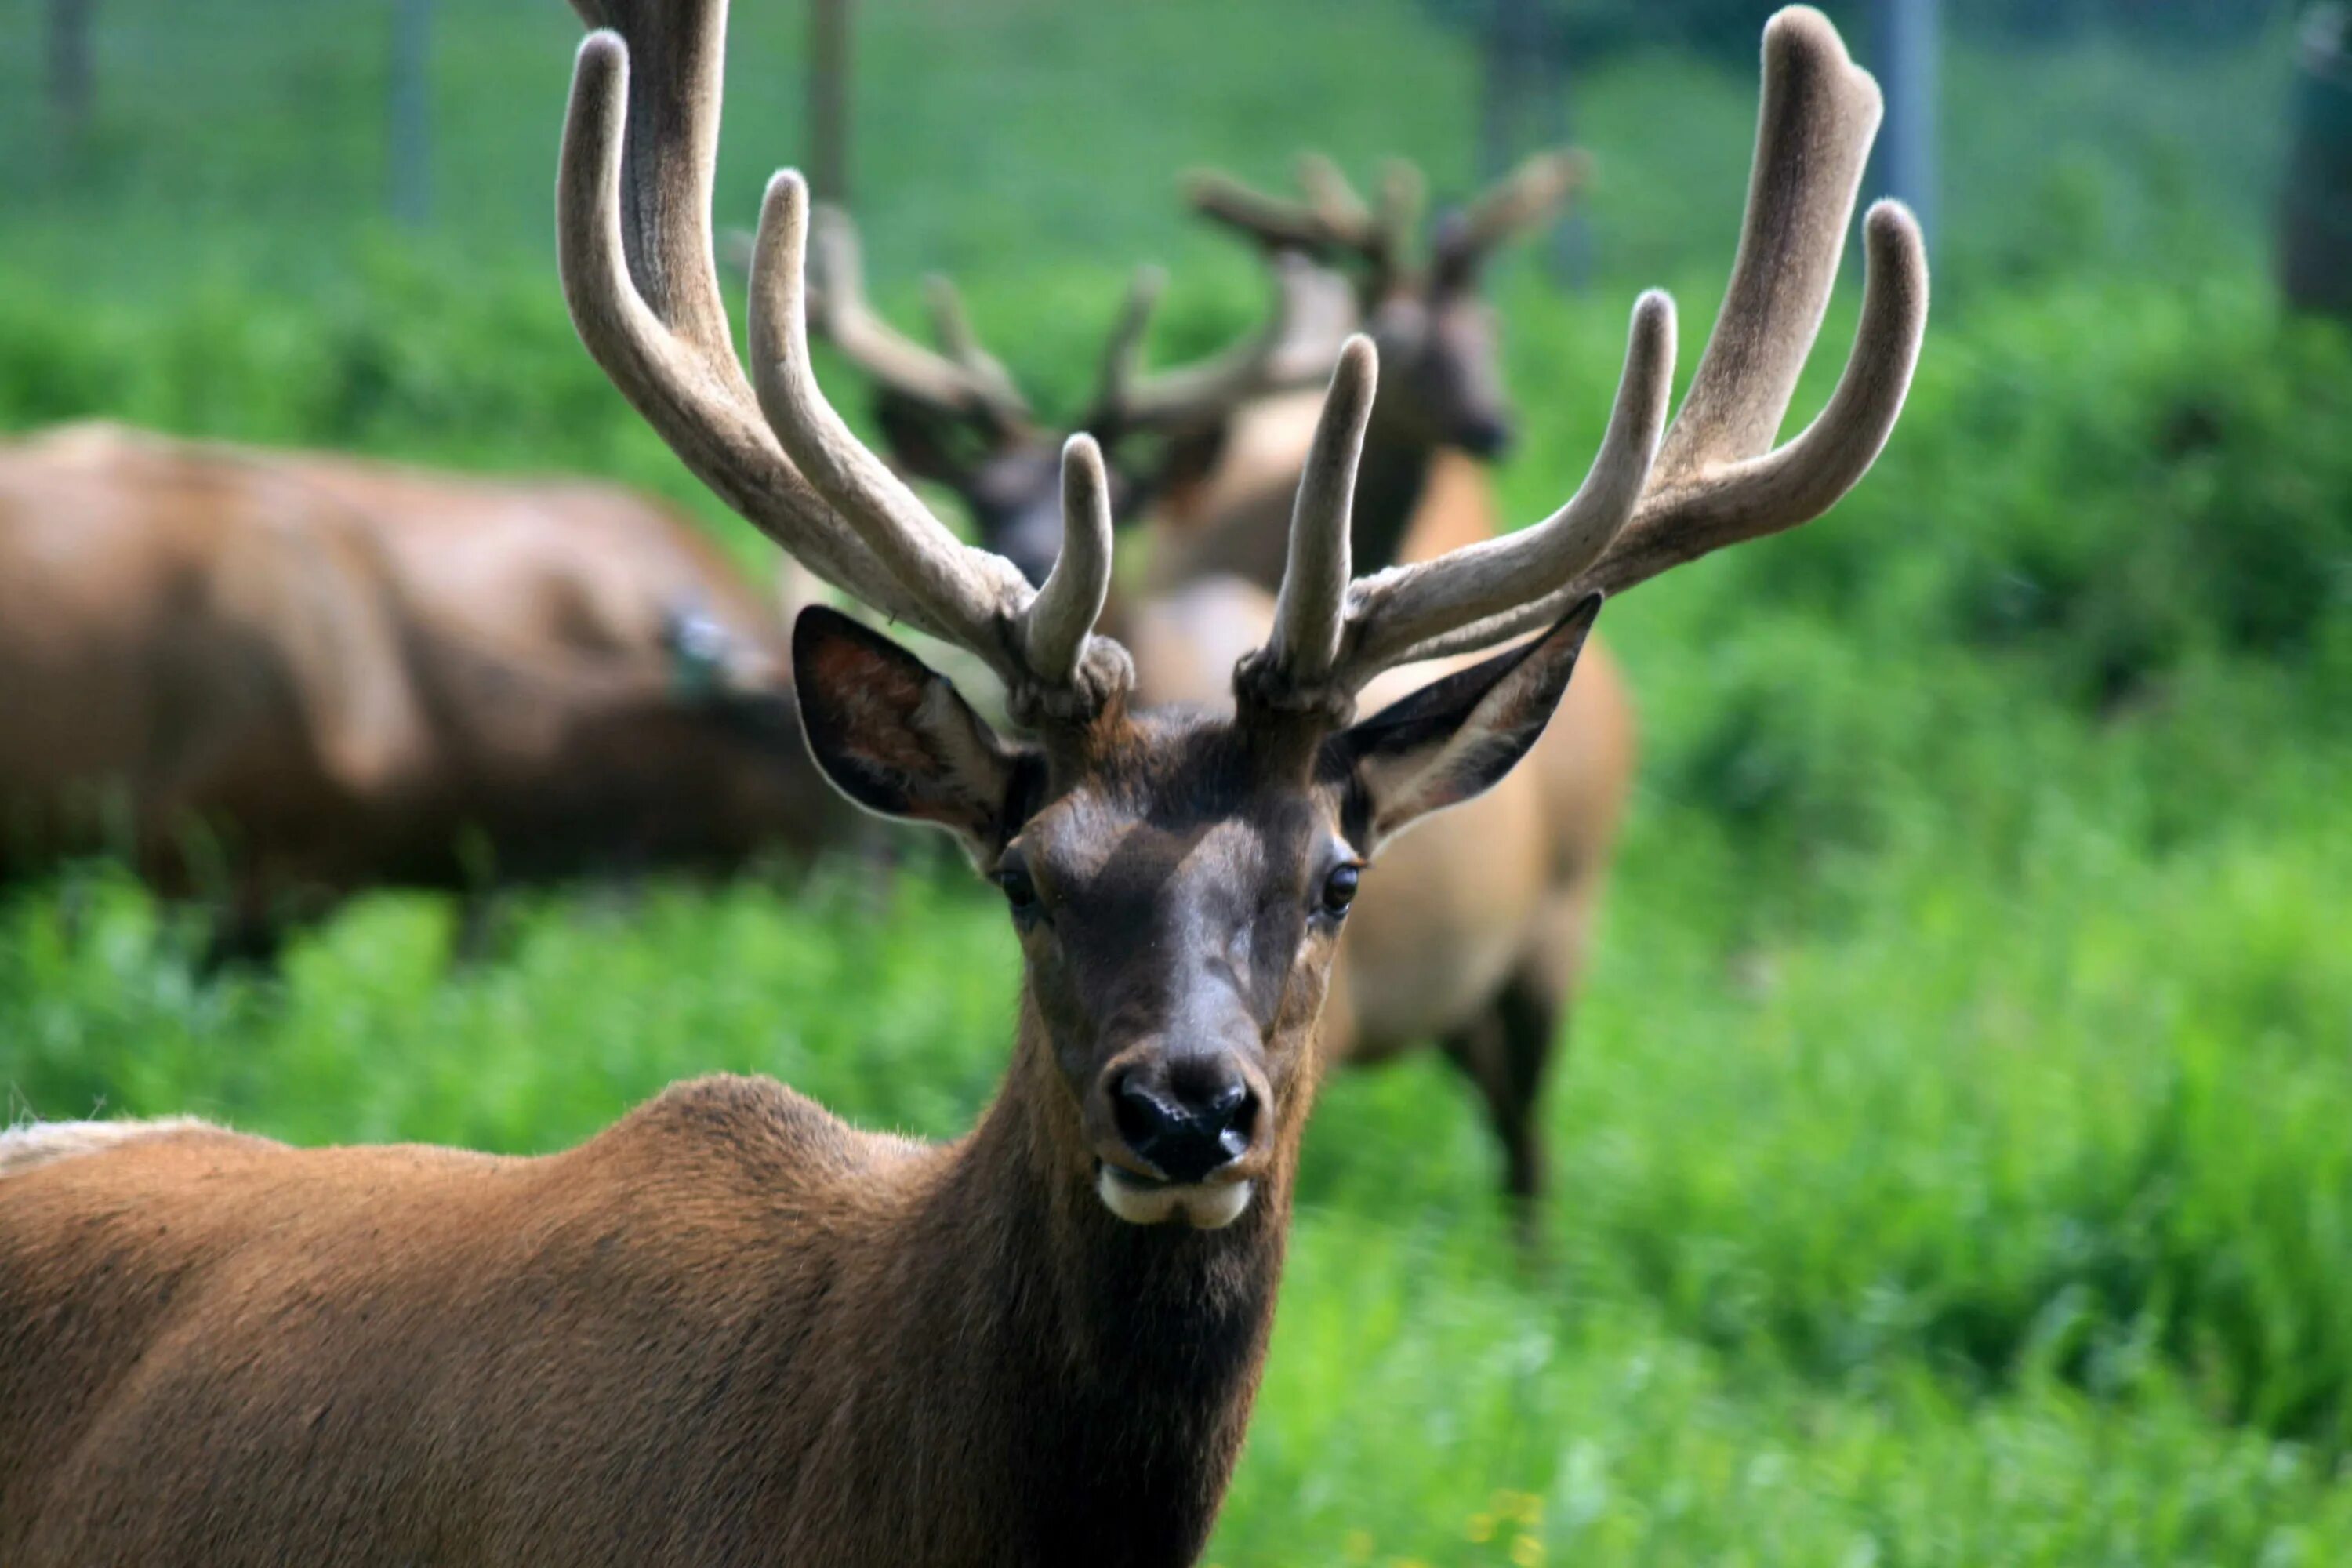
(1485,435)
(1188,1117)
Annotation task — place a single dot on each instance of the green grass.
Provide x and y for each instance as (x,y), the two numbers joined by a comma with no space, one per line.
(1950,1150)
(1954,1222)
(246,139)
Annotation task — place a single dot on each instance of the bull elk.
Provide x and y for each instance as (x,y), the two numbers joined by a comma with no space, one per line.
(1475,935)
(730,1329)
(275,678)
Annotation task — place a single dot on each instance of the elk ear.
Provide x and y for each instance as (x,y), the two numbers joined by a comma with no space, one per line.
(1456,737)
(891,733)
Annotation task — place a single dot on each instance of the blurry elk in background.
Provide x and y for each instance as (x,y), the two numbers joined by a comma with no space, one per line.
(272,679)
(732,1330)
(1476,933)
(952,415)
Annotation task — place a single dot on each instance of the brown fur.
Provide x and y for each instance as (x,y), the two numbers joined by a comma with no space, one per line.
(730,1329)
(692,1339)
(341,671)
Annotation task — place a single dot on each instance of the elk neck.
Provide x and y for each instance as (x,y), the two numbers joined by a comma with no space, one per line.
(1123,1359)
(1390,479)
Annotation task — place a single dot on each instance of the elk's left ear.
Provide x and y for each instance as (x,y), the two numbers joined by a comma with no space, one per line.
(1456,737)
(891,733)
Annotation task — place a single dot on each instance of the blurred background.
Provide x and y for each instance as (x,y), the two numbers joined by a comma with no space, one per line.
(1950,1141)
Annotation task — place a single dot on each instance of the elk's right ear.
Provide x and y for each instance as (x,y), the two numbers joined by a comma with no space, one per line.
(1456,737)
(891,733)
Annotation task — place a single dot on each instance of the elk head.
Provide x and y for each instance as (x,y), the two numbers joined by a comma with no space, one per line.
(1440,371)
(952,415)
(1177,880)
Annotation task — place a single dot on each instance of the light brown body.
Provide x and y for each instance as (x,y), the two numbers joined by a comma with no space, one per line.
(301,675)
(188,641)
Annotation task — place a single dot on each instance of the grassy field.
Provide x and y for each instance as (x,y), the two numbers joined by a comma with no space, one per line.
(1951,1150)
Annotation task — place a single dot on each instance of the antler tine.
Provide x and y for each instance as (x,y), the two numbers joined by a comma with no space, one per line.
(1793,484)
(1309,609)
(1269,220)
(966,590)
(951,328)
(672,146)
(1395,615)
(1333,199)
(634,249)
(1037,643)
(1518,201)
(1332,220)
(1693,514)
(839,311)
(1405,195)
(1056,629)
(1313,312)
(1115,388)
(634,244)
(1819,116)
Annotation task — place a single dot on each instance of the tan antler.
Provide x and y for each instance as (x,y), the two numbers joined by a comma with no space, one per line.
(959,378)
(1520,200)
(634,244)
(1313,312)
(1646,505)
(1332,222)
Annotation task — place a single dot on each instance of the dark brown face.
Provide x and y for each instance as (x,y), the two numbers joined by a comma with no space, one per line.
(1440,368)
(1178,882)
(1177,918)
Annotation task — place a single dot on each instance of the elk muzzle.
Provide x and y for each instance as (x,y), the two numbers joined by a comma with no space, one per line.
(1177,1131)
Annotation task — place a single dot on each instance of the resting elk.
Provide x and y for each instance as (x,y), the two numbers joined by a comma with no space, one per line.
(274,679)
(730,1329)
(1476,933)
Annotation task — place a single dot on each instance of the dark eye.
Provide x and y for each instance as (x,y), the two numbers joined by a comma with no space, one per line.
(1339,889)
(1020,889)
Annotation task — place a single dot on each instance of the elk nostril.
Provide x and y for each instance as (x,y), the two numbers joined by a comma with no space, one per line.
(1234,1114)
(1202,1119)
(1141,1117)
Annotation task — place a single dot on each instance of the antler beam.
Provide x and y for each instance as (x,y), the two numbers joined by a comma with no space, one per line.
(1714,479)
(635,243)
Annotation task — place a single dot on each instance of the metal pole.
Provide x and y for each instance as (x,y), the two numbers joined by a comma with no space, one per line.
(1908,33)
(828,98)
(1507,44)
(1571,237)
(71,73)
(408,141)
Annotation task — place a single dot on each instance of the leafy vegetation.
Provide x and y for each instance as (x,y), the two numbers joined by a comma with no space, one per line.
(1951,1146)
